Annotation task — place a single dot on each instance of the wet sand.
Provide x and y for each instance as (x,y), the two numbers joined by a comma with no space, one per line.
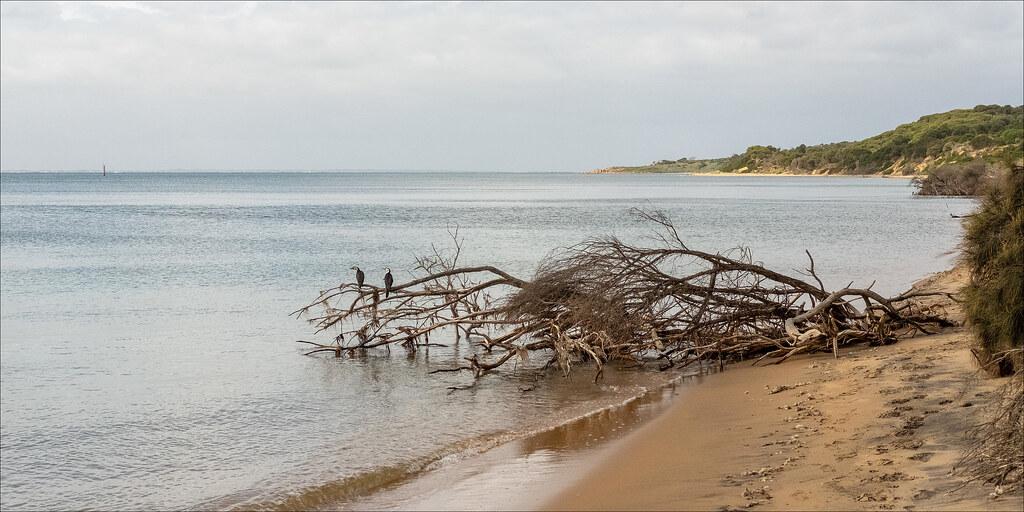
(519,475)
(879,428)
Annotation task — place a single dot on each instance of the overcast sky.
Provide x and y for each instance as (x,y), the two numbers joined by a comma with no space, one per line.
(474,86)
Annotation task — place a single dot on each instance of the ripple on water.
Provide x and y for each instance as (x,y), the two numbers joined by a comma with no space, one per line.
(146,355)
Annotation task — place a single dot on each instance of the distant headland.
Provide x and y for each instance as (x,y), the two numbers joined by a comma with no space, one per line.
(993,134)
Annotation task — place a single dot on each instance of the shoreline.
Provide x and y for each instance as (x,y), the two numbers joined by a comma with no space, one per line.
(784,175)
(757,174)
(877,428)
(514,473)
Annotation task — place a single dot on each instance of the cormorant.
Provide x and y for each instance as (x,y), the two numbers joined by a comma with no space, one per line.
(360,276)
(388,281)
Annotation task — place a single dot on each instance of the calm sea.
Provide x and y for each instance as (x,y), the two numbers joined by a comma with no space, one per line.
(148,359)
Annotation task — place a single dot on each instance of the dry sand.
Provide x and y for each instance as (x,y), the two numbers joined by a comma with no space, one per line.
(879,428)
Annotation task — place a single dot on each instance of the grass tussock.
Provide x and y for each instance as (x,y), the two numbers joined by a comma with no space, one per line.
(993,248)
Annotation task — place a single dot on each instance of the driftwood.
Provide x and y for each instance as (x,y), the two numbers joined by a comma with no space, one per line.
(605,300)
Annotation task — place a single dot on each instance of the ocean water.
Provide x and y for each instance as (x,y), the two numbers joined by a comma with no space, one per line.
(147,359)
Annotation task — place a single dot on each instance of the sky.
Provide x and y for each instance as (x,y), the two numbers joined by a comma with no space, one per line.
(479,86)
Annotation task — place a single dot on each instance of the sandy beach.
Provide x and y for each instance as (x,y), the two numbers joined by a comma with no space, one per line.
(879,428)
(794,175)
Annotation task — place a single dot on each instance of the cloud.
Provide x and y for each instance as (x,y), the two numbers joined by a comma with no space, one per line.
(481,85)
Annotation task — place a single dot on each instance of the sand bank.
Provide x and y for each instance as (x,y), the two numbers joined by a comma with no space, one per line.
(625,170)
(878,428)
(794,175)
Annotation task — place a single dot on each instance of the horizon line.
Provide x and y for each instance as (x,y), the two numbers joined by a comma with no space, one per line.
(264,170)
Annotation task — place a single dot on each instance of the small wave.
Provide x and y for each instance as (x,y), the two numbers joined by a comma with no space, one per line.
(365,483)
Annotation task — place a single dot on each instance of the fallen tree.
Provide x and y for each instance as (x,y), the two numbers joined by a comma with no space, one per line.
(605,301)
(970,179)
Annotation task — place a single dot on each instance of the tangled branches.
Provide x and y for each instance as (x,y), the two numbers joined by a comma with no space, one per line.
(606,300)
(997,452)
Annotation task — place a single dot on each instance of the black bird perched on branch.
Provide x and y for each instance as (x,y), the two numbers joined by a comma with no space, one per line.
(360,276)
(388,281)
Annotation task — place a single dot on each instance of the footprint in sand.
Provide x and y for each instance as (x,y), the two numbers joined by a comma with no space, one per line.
(913,423)
(917,377)
(895,476)
(908,444)
(896,412)
(893,391)
(923,494)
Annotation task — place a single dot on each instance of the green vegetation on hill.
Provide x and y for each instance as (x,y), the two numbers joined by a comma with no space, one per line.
(990,133)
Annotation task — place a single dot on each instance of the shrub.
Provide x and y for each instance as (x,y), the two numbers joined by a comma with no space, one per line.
(993,248)
(982,141)
(994,303)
